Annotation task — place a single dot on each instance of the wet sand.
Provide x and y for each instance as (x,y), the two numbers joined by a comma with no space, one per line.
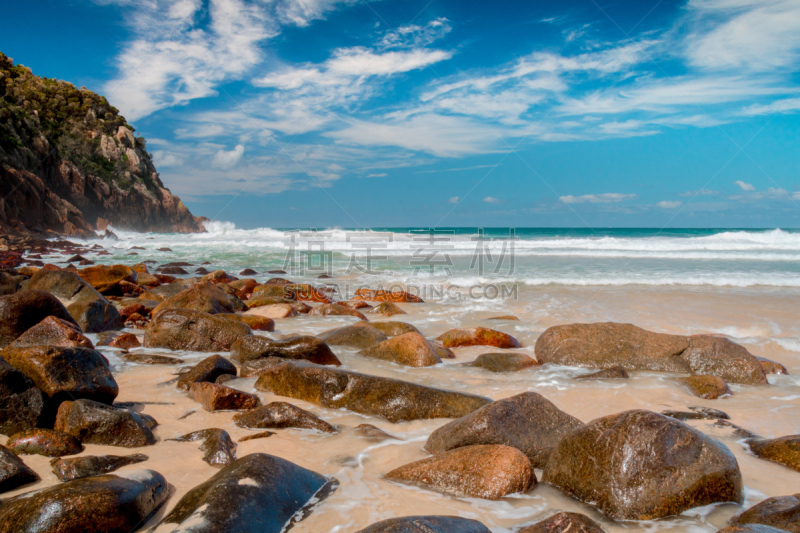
(766,321)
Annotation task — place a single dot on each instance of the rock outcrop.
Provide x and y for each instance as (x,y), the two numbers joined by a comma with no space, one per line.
(427,524)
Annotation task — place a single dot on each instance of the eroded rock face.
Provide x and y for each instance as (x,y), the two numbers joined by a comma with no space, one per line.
(185,329)
(782,512)
(266,491)
(204,296)
(47,442)
(481,471)
(92,465)
(783,450)
(666,467)
(528,422)
(393,328)
(13,472)
(388,398)
(95,423)
(217,447)
(427,524)
(24,309)
(504,362)
(478,337)
(563,523)
(209,369)
(100,504)
(53,331)
(22,404)
(296,347)
(280,415)
(609,344)
(358,335)
(215,397)
(410,349)
(89,309)
(65,373)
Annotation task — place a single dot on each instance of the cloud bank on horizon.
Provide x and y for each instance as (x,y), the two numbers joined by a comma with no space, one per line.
(280,95)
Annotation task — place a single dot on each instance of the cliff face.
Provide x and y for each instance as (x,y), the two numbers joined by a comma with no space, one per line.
(69,163)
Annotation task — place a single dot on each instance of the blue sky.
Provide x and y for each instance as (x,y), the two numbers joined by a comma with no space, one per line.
(317,113)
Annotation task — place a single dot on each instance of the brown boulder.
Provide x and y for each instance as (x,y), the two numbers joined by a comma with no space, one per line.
(640,465)
(273,310)
(304,292)
(478,337)
(615,372)
(708,387)
(22,404)
(336,310)
(125,341)
(751,528)
(53,331)
(386,296)
(254,322)
(217,447)
(771,367)
(370,432)
(504,362)
(272,290)
(106,279)
(782,512)
(218,276)
(168,290)
(565,523)
(504,317)
(359,335)
(717,356)
(185,329)
(481,471)
(387,309)
(90,309)
(92,465)
(24,309)
(47,442)
(783,450)
(426,524)
(410,349)
(215,397)
(13,472)
(392,328)
(207,370)
(528,422)
(151,359)
(96,423)
(280,415)
(245,287)
(205,297)
(297,347)
(388,398)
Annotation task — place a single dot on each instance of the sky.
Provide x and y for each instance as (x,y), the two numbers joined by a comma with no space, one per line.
(446,113)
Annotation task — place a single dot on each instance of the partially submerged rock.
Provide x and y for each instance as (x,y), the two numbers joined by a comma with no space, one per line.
(393,328)
(388,398)
(53,331)
(217,447)
(151,359)
(280,415)
(267,492)
(697,413)
(771,367)
(427,524)
(99,504)
(783,450)
(381,295)
(478,337)
(667,467)
(13,472)
(106,279)
(184,329)
(92,465)
(615,372)
(22,310)
(370,432)
(215,397)
(126,341)
(254,322)
(504,362)
(295,347)
(565,522)
(481,471)
(209,369)
(528,422)
(89,308)
(708,387)
(410,349)
(387,309)
(47,442)
(205,297)
(359,335)
(336,310)
(96,423)
(782,512)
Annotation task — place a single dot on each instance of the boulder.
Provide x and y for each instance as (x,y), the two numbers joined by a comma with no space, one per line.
(358,335)
(53,331)
(207,370)
(392,328)
(185,329)
(751,528)
(89,309)
(65,373)
(205,297)
(254,322)
(783,450)
(478,337)
(388,398)
(481,471)
(218,276)
(640,465)
(92,465)
(151,359)
(504,317)
(380,295)
(504,362)
(336,310)
(9,283)
(782,512)
(96,423)
(268,493)
(271,290)
(162,292)
(22,404)
(708,387)
(771,367)
(106,279)
(271,310)
(387,309)
(697,413)
(410,349)
(427,524)
(563,523)
(615,372)
(111,503)
(13,472)
(304,292)
(296,347)
(126,341)
(24,309)
(47,442)
(608,344)
(355,304)
(370,432)
(280,415)
(215,397)
(217,447)
(528,422)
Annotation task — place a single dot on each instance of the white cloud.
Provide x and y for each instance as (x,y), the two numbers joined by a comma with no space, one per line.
(223,159)
(701,192)
(605,198)
(669,205)
(416,35)
(491,200)
(744,186)
(163,158)
(379,175)
(786,105)
(453,200)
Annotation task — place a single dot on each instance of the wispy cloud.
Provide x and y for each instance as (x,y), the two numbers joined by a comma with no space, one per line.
(605,198)
(492,200)
(744,186)
(667,204)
